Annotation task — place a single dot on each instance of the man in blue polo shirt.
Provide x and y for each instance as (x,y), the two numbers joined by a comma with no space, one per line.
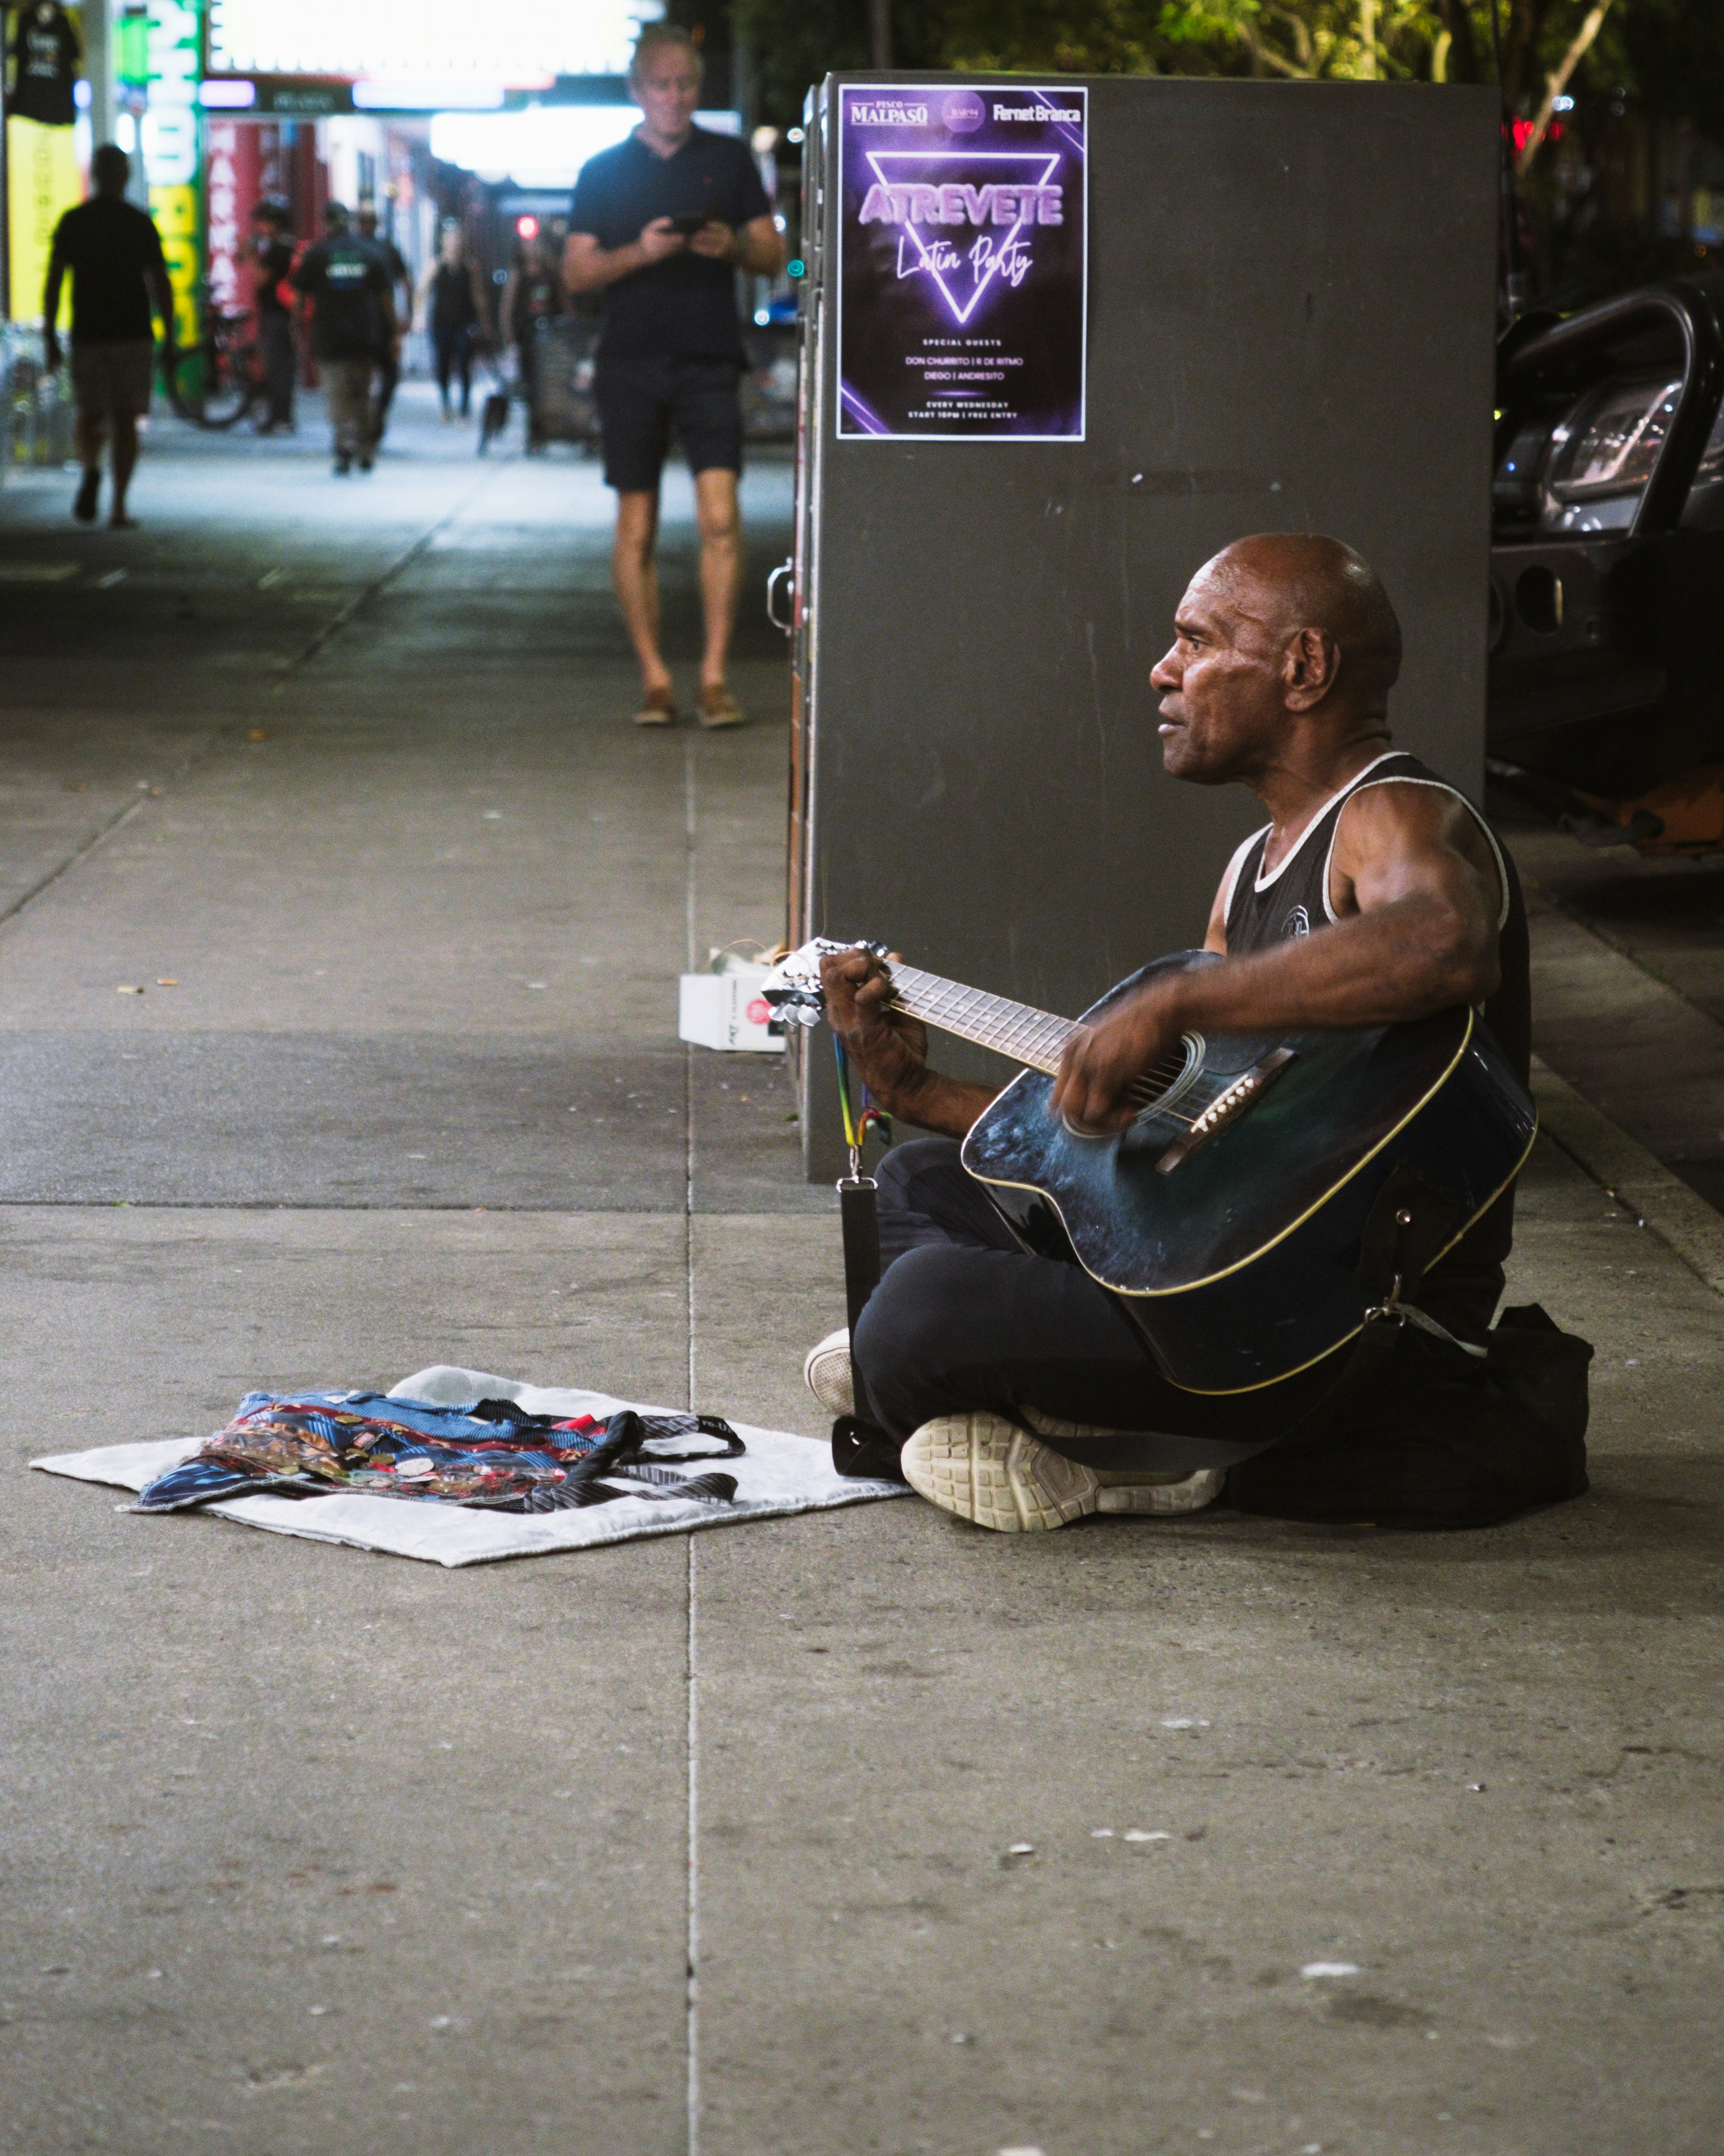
(660,225)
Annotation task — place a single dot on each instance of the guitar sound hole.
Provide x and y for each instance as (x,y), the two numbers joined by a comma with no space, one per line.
(1158,1090)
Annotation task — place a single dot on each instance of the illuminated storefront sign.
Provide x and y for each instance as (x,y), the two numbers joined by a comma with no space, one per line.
(524,45)
(42,185)
(170,138)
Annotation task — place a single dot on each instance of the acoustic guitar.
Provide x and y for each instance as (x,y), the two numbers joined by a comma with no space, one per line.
(1270,1190)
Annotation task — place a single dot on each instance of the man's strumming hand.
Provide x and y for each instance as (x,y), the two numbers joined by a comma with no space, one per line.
(1101,1061)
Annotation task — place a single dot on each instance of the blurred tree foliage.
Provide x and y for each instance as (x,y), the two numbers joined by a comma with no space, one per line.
(1666,57)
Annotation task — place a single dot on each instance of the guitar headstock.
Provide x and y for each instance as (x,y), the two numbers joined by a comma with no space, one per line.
(793,988)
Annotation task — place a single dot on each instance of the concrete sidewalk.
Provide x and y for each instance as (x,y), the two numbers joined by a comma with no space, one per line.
(704,1843)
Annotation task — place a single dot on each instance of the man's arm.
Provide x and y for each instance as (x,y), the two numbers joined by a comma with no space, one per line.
(1417,896)
(162,299)
(302,280)
(890,1050)
(51,306)
(386,310)
(758,248)
(587,267)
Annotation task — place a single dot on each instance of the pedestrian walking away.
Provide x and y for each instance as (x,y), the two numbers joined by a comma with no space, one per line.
(660,224)
(118,275)
(449,308)
(532,300)
(273,252)
(400,280)
(344,282)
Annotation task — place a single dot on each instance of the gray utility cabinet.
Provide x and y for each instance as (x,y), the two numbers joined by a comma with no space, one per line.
(1290,304)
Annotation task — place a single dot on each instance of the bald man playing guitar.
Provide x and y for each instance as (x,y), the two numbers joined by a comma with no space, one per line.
(1022,1392)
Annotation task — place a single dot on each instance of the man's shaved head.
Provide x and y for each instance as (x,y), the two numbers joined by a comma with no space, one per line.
(1293,580)
(1284,639)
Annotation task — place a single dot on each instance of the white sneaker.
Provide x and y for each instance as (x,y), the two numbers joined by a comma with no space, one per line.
(985,1470)
(826,1373)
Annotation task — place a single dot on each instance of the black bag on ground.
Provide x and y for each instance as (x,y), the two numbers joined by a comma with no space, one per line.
(1431,1437)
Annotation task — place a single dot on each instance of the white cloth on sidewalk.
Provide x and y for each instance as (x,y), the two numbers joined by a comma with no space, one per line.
(779,1473)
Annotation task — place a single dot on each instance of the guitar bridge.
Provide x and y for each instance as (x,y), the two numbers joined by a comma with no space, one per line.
(1225,1108)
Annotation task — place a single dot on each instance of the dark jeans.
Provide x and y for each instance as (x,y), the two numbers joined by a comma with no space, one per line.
(454,355)
(967,1318)
(280,363)
(388,376)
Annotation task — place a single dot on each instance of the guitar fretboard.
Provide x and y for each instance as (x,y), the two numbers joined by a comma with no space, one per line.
(1036,1039)
(1033,1038)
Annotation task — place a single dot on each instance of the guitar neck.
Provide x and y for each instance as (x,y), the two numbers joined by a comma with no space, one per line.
(1033,1038)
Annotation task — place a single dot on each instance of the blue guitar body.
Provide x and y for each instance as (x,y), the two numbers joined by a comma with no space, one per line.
(1243,1219)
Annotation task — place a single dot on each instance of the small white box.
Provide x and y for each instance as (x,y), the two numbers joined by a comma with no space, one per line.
(726,1010)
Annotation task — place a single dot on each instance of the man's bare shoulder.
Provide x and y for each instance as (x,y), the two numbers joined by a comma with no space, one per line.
(1399,823)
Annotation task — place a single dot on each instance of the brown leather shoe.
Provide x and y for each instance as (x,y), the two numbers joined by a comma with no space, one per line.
(720,708)
(658,708)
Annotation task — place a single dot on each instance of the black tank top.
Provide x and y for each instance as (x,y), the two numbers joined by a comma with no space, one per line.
(1462,1288)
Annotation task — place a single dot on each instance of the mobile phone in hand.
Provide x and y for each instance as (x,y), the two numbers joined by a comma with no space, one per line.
(688,226)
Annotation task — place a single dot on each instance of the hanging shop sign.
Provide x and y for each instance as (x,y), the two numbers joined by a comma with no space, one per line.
(43,180)
(962,262)
(45,54)
(170,136)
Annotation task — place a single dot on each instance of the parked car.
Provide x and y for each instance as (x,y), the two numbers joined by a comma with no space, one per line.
(1606,680)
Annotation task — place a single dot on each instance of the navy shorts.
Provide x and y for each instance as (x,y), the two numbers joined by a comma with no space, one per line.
(640,399)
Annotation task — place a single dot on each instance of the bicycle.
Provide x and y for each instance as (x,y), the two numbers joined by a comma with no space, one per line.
(215,382)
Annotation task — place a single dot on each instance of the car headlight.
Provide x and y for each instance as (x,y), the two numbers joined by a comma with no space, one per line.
(1611,442)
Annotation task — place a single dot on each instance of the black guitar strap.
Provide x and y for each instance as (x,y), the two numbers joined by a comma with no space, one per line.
(859,1446)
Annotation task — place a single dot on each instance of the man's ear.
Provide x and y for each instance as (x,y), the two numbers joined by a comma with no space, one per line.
(1310,666)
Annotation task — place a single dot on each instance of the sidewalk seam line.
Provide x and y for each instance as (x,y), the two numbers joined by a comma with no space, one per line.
(115,823)
(691,1576)
(1635,1178)
(332,628)
(1601,934)
(226,736)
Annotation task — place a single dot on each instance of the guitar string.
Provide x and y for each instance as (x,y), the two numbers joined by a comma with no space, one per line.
(943,1001)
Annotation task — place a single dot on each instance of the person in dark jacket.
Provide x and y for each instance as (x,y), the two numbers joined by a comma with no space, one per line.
(344,282)
(118,275)
(400,280)
(450,309)
(532,300)
(273,252)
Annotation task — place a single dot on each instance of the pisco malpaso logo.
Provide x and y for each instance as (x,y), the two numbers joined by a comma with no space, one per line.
(880,113)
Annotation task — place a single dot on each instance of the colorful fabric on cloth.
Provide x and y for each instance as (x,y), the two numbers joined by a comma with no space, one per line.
(484,1452)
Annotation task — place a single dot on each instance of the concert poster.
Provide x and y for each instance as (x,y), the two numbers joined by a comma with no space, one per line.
(962,264)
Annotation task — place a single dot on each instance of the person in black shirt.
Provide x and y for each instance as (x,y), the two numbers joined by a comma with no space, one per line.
(449,308)
(346,282)
(114,253)
(389,367)
(660,225)
(532,300)
(272,250)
